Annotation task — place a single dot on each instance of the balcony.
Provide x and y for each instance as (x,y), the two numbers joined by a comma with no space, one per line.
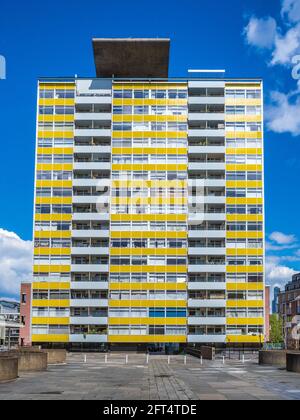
(201,233)
(206,149)
(207,251)
(206,303)
(92,149)
(206,338)
(90,216)
(208,132)
(91,166)
(92,116)
(89,251)
(206,166)
(207,268)
(196,320)
(203,116)
(91,99)
(207,285)
(90,199)
(92,132)
(91,268)
(90,233)
(88,338)
(88,320)
(89,303)
(89,285)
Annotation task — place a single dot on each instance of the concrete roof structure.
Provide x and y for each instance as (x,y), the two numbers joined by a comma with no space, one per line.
(132,57)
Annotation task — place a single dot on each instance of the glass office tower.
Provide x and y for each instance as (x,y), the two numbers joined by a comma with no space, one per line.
(149,212)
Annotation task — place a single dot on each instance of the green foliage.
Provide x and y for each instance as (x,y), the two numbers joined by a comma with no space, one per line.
(276,329)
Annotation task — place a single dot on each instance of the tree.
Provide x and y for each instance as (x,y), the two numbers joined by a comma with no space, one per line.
(276,329)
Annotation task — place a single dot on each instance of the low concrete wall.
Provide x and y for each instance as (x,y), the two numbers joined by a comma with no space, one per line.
(193,351)
(56,355)
(8,368)
(29,361)
(272,357)
(293,362)
(208,353)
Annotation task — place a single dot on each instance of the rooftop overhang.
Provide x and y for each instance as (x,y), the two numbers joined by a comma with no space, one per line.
(132,57)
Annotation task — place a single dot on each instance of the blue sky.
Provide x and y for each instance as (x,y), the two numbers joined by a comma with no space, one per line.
(53,38)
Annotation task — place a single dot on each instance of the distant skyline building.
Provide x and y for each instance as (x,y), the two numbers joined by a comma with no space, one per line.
(149,206)
(276,293)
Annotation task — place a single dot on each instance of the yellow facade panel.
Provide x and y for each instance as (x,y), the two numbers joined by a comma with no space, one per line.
(51,303)
(245,321)
(51,268)
(244,269)
(244,184)
(245,251)
(52,234)
(52,251)
(244,235)
(50,321)
(244,286)
(50,338)
(55,150)
(244,201)
(53,218)
(53,184)
(53,200)
(45,285)
(245,303)
(54,167)
(243,168)
(244,218)
(245,339)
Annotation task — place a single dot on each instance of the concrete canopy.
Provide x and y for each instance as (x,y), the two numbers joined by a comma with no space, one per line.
(131,57)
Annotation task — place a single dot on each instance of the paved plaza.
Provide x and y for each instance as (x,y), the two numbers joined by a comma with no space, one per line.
(114,379)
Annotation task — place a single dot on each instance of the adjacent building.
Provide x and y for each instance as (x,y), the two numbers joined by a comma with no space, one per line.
(289,310)
(149,206)
(9,323)
(25,310)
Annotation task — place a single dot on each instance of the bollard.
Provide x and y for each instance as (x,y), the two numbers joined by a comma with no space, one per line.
(147,359)
(184,360)
(126,359)
(201,360)
(223,360)
(84,359)
(243,359)
(168,360)
(106,358)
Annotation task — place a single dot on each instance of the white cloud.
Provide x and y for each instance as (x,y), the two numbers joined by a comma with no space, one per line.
(282,239)
(286,46)
(283,114)
(15,262)
(261,33)
(291,10)
(278,274)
